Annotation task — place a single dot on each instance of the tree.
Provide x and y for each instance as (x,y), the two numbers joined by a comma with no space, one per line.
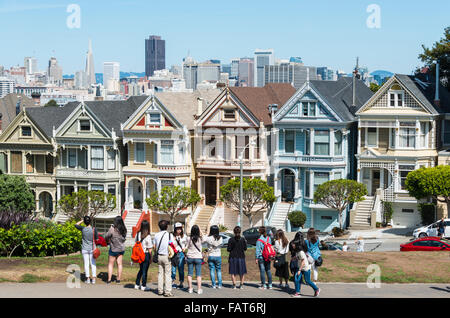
(173,200)
(256,196)
(430,183)
(16,194)
(338,194)
(374,87)
(51,102)
(440,51)
(81,203)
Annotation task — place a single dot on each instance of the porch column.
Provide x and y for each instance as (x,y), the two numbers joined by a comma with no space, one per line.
(58,191)
(75,186)
(416,146)
(396,174)
(311,142)
(217,188)
(296,189)
(89,157)
(433,135)
(358,151)
(144,195)
(381,178)
(275,140)
(397,133)
(331,142)
(358,172)
(311,183)
(275,183)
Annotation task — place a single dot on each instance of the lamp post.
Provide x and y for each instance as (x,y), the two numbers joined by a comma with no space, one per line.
(241,191)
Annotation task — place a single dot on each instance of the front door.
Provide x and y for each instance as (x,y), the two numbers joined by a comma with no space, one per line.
(210,190)
(375,181)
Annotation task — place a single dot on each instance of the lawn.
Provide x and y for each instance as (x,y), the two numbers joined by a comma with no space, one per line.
(396,267)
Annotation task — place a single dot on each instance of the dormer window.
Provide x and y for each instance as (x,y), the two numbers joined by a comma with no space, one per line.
(396,96)
(229,114)
(309,109)
(85,125)
(26,131)
(155,118)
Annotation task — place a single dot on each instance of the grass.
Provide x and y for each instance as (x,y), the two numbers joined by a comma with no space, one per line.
(396,267)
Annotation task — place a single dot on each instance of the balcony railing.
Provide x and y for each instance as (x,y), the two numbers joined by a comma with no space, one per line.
(309,158)
(233,163)
(75,173)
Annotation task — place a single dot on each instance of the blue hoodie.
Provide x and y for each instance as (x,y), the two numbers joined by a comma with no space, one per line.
(260,247)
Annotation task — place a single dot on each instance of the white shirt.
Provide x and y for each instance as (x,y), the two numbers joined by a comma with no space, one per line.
(164,248)
(214,246)
(182,240)
(279,247)
(345,248)
(304,258)
(360,246)
(146,243)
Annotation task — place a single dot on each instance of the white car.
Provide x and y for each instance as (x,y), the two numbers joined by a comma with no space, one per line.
(432,229)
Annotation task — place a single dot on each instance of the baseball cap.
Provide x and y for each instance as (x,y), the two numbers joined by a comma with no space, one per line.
(178,224)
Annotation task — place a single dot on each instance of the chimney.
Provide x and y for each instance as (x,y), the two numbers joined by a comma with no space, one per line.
(199,106)
(437,101)
(36,96)
(273,108)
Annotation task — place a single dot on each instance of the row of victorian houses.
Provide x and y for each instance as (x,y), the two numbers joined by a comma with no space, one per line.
(294,139)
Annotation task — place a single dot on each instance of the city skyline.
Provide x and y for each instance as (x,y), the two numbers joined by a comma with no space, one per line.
(332,41)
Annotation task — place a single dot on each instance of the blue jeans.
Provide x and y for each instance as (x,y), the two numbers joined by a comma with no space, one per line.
(215,264)
(298,280)
(143,270)
(180,268)
(198,266)
(264,268)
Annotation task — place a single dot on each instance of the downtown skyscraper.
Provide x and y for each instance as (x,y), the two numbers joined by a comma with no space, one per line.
(155,54)
(90,73)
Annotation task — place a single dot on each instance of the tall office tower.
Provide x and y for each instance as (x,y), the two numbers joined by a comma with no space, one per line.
(225,68)
(90,72)
(111,75)
(208,71)
(262,58)
(6,86)
(326,74)
(155,55)
(2,70)
(246,71)
(54,73)
(190,75)
(293,73)
(80,81)
(234,72)
(30,64)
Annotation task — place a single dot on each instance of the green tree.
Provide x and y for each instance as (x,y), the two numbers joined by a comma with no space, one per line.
(430,183)
(297,218)
(439,51)
(374,87)
(257,195)
(338,194)
(173,200)
(51,102)
(81,203)
(16,194)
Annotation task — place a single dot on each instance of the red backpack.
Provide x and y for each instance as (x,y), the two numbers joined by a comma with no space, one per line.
(138,254)
(268,252)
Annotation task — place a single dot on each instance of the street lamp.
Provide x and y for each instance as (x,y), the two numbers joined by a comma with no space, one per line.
(241,191)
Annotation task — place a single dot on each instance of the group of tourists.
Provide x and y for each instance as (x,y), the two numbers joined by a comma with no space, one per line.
(171,251)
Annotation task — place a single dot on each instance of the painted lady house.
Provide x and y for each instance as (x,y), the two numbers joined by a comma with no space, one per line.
(398,132)
(312,142)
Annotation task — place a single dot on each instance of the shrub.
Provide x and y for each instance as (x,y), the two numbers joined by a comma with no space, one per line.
(427,212)
(388,211)
(10,218)
(15,194)
(222,228)
(337,231)
(297,218)
(40,238)
(379,224)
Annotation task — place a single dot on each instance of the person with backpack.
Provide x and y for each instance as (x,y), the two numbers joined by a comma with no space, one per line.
(194,257)
(237,245)
(300,250)
(88,234)
(161,257)
(264,255)
(116,237)
(281,265)
(145,243)
(214,242)
(441,228)
(312,243)
(180,240)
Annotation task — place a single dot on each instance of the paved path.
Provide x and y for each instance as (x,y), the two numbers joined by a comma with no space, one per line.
(328,290)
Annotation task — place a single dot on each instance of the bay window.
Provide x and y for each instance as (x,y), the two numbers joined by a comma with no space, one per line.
(97,158)
(72,158)
(167,152)
(372,137)
(404,171)
(338,143)
(423,134)
(322,142)
(140,152)
(319,178)
(289,141)
(111,159)
(407,135)
(16,162)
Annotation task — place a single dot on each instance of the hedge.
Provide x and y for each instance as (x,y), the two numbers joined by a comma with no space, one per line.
(40,238)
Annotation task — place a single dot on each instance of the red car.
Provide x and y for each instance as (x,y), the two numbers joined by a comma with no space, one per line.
(428,243)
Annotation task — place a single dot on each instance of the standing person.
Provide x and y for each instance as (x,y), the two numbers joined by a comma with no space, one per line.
(237,245)
(116,240)
(87,248)
(161,247)
(359,244)
(264,266)
(441,228)
(345,247)
(146,240)
(194,257)
(304,270)
(282,248)
(180,241)
(214,242)
(312,243)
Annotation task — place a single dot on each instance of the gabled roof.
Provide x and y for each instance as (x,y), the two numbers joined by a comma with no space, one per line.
(257,99)
(8,107)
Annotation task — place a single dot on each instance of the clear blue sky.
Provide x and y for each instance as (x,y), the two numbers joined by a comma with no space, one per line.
(323,32)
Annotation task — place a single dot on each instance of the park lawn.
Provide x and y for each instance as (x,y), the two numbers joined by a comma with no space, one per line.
(396,267)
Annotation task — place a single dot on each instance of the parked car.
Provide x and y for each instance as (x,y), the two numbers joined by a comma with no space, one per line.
(429,243)
(252,234)
(225,237)
(431,230)
(330,246)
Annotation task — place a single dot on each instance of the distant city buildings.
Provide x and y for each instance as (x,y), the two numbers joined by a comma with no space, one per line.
(111,76)
(246,72)
(293,73)
(54,72)
(155,55)
(89,70)
(6,86)
(30,64)
(262,58)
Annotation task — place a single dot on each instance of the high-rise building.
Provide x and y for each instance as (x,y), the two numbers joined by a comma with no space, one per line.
(30,64)
(155,54)
(296,60)
(234,72)
(208,71)
(90,72)
(246,71)
(190,72)
(80,81)
(111,75)
(326,74)
(262,58)
(54,72)
(296,74)
(6,86)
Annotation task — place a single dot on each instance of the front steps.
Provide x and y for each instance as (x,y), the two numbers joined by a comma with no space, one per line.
(363,213)
(279,217)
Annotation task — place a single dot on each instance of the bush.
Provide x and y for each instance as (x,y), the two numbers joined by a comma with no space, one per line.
(15,194)
(379,224)
(427,212)
(40,238)
(222,228)
(9,218)
(297,218)
(337,231)
(388,211)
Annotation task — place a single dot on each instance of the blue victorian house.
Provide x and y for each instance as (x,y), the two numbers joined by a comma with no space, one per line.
(313,141)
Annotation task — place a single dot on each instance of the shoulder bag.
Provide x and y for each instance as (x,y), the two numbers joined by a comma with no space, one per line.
(155,256)
(96,250)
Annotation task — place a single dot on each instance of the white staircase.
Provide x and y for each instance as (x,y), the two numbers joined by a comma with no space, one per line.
(363,212)
(131,220)
(278,219)
(203,217)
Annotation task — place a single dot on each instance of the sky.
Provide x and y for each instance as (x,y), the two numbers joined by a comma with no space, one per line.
(322,32)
